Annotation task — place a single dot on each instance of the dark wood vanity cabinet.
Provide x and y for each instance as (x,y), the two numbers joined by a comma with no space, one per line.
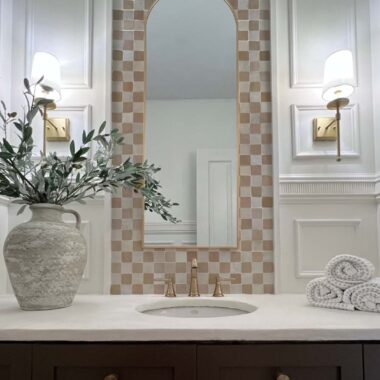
(189,361)
(280,361)
(15,361)
(371,361)
(114,362)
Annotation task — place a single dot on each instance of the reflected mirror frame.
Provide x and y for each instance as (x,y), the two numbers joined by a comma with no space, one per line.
(238,224)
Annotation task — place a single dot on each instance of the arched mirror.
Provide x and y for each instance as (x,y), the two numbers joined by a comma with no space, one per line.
(191,121)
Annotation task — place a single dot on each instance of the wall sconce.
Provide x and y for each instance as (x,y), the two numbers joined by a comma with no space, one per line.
(338,85)
(47,66)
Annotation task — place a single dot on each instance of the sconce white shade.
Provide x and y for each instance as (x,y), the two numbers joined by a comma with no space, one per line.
(339,79)
(47,65)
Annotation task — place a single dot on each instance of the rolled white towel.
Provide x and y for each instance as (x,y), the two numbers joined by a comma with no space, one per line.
(345,271)
(365,297)
(322,293)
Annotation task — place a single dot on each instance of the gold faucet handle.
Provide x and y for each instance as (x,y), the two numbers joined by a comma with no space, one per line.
(194,263)
(218,291)
(170,291)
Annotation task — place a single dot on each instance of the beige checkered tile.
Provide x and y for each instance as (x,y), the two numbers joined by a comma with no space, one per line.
(251,267)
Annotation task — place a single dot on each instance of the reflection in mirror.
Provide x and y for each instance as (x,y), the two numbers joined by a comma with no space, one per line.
(191,115)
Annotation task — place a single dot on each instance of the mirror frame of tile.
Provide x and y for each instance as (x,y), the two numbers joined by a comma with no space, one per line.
(251,265)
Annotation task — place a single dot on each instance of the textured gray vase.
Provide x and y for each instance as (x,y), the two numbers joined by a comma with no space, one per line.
(45,258)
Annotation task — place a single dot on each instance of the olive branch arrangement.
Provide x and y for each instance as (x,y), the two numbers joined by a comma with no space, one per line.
(61,180)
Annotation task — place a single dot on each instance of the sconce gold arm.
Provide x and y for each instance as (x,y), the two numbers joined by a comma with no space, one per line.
(49,106)
(337,105)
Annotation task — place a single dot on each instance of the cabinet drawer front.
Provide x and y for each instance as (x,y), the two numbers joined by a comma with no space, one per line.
(372,361)
(15,361)
(117,361)
(268,361)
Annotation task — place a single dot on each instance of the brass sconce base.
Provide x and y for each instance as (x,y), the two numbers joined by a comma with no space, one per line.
(57,129)
(324,129)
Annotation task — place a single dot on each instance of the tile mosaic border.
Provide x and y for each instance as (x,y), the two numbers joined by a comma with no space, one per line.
(251,267)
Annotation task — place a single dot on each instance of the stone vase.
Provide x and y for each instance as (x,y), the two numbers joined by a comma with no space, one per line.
(45,258)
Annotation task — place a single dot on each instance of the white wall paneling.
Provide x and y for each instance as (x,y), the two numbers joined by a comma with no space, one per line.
(320,201)
(5,48)
(302,132)
(316,186)
(65,30)
(312,231)
(318,28)
(165,234)
(306,58)
(79,32)
(313,251)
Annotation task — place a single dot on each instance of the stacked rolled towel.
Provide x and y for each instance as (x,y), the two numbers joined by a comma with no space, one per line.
(364,297)
(345,271)
(348,285)
(322,293)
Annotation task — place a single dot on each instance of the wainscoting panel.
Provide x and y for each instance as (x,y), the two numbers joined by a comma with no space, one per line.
(314,231)
(67,35)
(319,240)
(302,132)
(308,45)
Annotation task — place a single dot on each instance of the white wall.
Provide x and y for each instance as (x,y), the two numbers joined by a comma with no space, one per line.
(5,48)
(176,129)
(323,207)
(375,47)
(375,43)
(79,33)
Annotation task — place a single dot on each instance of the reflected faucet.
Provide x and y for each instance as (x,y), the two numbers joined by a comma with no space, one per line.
(194,291)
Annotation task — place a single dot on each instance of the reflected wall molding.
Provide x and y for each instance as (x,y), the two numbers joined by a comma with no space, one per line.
(295,82)
(88,24)
(163,234)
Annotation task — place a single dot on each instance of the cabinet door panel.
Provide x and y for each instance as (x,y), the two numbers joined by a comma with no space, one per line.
(266,361)
(271,373)
(372,361)
(15,361)
(122,373)
(126,361)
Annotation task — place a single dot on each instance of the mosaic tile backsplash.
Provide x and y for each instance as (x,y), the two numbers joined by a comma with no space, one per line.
(134,269)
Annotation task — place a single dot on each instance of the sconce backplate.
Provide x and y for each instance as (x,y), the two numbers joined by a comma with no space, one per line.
(324,129)
(58,129)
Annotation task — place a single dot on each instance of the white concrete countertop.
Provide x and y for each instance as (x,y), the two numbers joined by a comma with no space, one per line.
(115,318)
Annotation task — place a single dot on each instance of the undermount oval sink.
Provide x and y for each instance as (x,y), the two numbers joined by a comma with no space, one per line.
(196,308)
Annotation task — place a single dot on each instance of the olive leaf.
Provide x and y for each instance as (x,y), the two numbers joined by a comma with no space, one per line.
(80,175)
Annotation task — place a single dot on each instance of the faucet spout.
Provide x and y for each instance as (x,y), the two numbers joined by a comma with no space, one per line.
(194,291)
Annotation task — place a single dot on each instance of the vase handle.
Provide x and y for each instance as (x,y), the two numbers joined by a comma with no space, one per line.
(77,217)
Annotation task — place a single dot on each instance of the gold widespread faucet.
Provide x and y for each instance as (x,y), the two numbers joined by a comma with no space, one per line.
(194,290)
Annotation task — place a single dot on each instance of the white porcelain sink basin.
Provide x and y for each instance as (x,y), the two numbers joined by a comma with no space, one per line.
(196,308)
